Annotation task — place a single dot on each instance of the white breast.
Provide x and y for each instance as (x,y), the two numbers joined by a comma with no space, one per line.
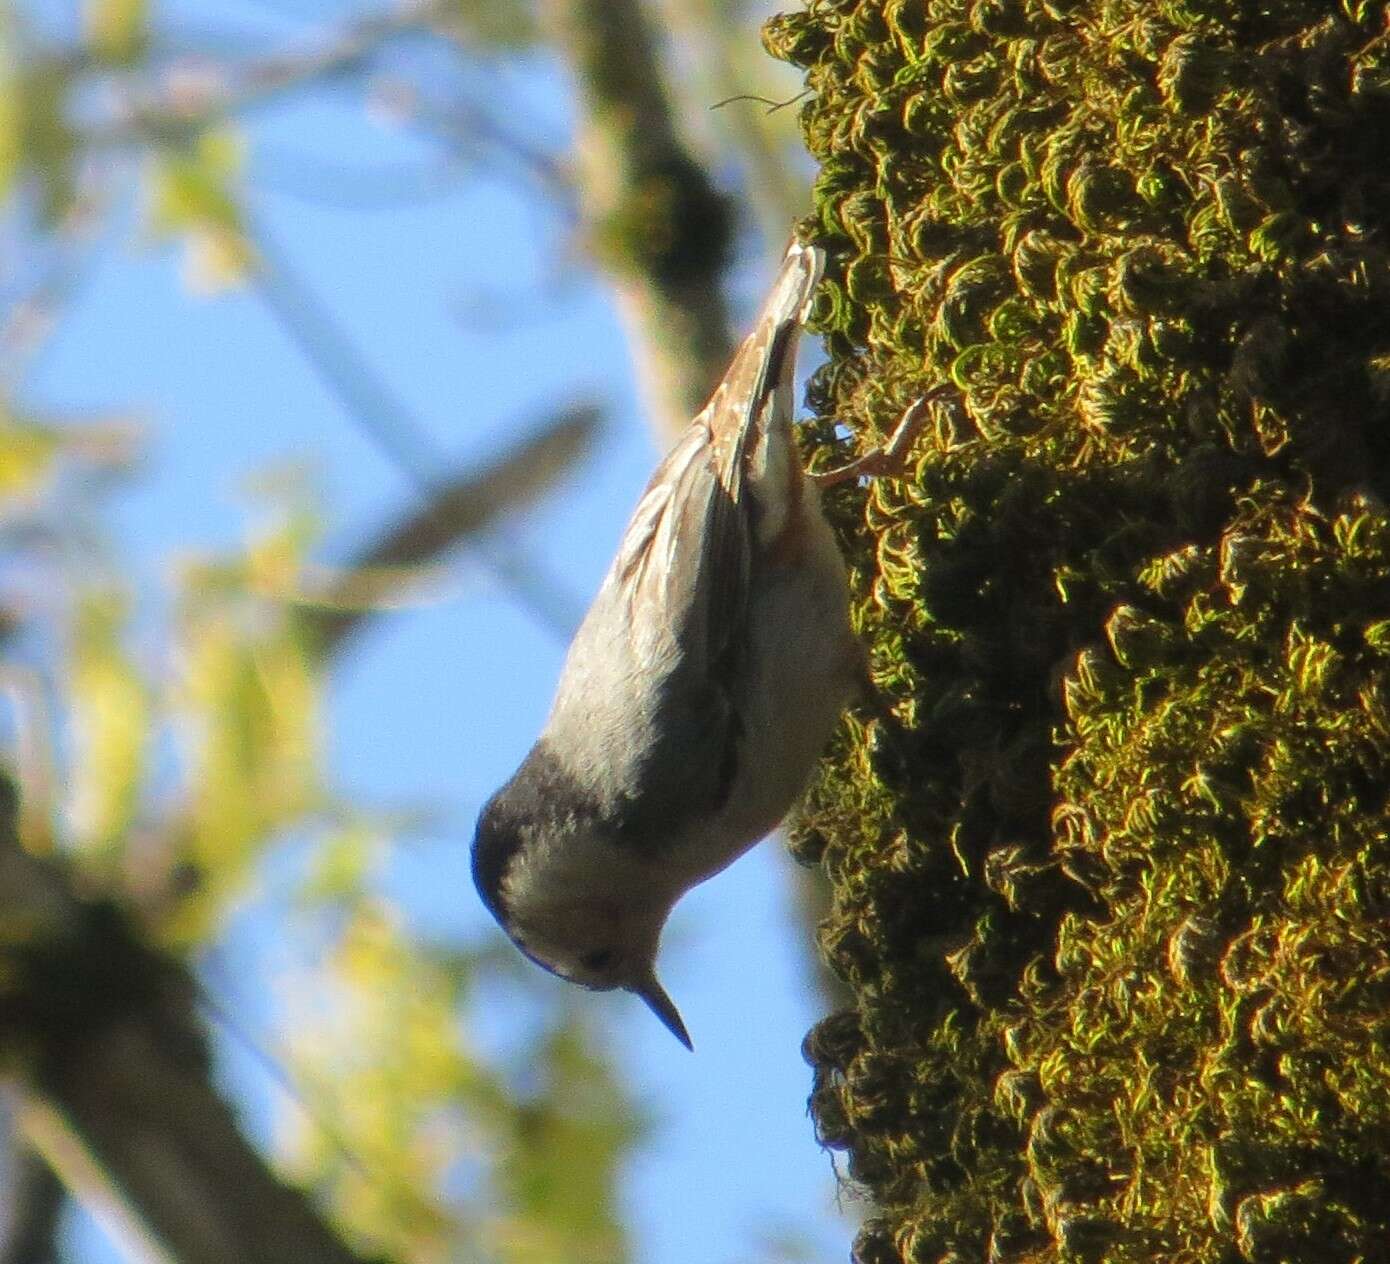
(802,667)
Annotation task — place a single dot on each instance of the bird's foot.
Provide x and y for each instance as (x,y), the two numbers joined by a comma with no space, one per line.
(889,459)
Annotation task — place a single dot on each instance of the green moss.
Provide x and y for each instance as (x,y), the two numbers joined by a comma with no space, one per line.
(1110,853)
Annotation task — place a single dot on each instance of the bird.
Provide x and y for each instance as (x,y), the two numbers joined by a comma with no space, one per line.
(700,689)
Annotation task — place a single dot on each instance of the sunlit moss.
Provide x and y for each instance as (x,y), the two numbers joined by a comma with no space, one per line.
(1109,851)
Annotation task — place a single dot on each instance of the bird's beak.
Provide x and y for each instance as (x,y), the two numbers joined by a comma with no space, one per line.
(664,1008)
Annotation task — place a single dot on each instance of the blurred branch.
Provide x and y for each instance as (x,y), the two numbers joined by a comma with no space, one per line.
(461,124)
(466,130)
(305,176)
(385,419)
(36,1197)
(459,508)
(31,318)
(183,106)
(115,1078)
(654,218)
(726,48)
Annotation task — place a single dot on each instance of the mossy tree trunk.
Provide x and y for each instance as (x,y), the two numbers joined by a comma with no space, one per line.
(1111,852)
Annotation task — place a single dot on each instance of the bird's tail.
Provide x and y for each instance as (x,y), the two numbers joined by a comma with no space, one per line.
(790,296)
(749,416)
(764,362)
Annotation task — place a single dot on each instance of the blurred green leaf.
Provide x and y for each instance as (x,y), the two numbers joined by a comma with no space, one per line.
(110,713)
(341,864)
(559,1165)
(11,106)
(36,137)
(529,1171)
(377,1037)
(497,24)
(116,30)
(249,699)
(27,452)
(190,195)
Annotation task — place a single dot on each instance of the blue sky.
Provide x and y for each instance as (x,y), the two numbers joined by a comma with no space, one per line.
(437,705)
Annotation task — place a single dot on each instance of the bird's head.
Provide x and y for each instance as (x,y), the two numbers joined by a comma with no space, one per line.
(600,945)
(575,905)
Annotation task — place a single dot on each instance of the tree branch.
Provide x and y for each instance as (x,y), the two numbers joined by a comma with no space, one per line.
(653,217)
(115,1081)
(371,405)
(179,109)
(457,510)
(36,1197)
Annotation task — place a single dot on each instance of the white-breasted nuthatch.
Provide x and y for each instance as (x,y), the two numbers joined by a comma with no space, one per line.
(700,689)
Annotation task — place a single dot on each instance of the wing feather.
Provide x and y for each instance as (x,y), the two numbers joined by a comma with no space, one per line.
(676,597)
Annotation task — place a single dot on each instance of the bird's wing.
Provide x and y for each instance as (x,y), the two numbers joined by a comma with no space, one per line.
(683,564)
(685,561)
(679,590)
(670,620)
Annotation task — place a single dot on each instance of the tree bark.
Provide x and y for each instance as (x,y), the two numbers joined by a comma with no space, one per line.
(653,218)
(115,1083)
(1109,850)
(35,1198)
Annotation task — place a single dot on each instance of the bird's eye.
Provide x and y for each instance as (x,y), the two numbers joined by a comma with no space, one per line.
(599,961)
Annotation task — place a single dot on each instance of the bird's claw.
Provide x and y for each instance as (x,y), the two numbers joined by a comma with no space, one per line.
(891,457)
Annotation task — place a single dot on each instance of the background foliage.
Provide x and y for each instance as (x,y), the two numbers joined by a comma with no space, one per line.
(174,739)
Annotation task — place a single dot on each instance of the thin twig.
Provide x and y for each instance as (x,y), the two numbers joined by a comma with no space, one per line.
(773,106)
(178,110)
(389,423)
(460,123)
